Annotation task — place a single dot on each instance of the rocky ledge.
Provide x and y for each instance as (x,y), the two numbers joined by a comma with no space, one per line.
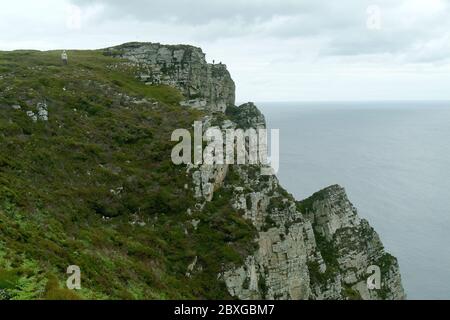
(206,86)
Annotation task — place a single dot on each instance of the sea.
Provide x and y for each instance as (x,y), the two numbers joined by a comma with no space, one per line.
(393,159)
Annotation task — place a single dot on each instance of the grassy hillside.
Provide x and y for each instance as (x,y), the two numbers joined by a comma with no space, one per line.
(94,186)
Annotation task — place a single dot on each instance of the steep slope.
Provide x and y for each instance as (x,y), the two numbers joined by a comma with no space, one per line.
(87,179)
(93,185)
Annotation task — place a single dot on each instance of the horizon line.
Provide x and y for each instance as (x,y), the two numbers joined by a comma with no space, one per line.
(344,101)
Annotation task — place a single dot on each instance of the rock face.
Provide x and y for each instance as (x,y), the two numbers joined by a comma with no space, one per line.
(279,269)
(206,86)
(247,116)
(355,244)
(318,248)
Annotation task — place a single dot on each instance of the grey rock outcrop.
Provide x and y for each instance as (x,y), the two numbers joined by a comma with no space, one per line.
(285,242)
(247,116)
(356,246)
(40,114)
(205,86)
(316,249)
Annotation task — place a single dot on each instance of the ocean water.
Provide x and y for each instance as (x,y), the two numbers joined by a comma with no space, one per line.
(393,158)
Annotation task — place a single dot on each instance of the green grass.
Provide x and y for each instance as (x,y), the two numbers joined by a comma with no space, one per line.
(70,187)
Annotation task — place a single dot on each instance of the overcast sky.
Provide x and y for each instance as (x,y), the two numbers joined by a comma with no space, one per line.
(276,50)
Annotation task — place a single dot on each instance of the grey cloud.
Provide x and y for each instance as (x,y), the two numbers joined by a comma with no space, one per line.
(340,25)
(200,12)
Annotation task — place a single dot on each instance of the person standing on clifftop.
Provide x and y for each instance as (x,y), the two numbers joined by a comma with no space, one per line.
(64,57)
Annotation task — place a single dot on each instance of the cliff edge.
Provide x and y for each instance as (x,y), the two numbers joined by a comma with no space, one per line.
(318,248)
